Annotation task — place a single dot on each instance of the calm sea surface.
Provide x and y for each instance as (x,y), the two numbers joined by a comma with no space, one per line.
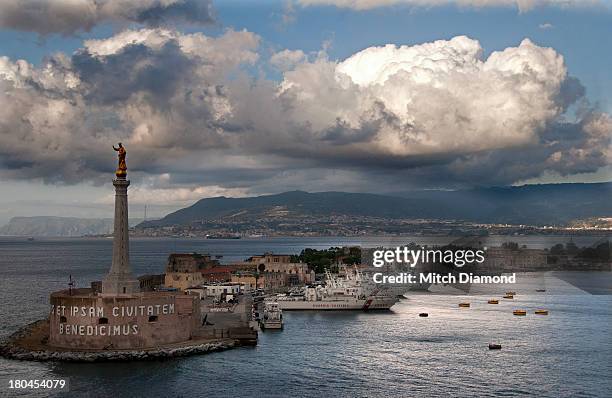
(568,353)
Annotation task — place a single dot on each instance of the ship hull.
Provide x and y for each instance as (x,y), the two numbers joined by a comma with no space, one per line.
(272,325)
(369,304)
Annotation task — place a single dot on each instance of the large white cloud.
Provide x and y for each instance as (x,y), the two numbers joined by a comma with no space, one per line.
(71,16)
(522,5)
(439,97)
(187,110)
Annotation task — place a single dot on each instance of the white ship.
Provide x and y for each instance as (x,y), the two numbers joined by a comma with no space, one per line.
(273,316)
(349,293)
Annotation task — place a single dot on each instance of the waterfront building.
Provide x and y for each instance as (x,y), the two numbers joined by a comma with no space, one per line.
(218,291)
(149,283)
(218,274)
(508,259)
(247,278)
(296,273)
(276,281)
(184,270)
(190,262)
(222,292)
(182,280)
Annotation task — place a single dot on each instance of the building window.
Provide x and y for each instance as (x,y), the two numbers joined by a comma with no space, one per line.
(123,290)
(62,319)
(102,321)
(152,318)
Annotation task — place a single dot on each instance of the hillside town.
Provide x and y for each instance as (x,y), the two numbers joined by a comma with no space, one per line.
(348,225)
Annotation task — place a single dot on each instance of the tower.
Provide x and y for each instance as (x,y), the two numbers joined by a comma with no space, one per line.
(119,279)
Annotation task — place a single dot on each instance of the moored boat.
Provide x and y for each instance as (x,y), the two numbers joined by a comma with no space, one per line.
(349,293)
(272,316)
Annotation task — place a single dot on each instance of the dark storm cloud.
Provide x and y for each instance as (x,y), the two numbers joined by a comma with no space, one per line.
(70,16)
(342,133)
(193,120)
(188,11)
(135,69)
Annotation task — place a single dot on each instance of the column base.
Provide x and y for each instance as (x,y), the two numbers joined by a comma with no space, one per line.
(120,284)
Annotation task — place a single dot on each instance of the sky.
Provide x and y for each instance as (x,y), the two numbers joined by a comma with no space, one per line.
(243,97)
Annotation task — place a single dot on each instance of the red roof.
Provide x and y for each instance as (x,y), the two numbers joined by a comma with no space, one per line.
(218,270)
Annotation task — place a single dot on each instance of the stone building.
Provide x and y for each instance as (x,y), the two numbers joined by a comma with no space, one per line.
(248,279)
(182,280)
(270,281)
(222,273)
(190,262)
(296,273)
(149,283)
(184,270)
(514,259)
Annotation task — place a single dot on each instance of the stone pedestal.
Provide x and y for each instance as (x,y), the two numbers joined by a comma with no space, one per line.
(120,279)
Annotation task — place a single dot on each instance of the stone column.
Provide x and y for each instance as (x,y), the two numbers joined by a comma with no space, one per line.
(120,279)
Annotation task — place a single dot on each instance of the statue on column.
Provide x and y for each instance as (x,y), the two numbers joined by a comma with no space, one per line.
(122,167)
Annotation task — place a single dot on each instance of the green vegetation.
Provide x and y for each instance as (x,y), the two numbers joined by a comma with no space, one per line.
(600,252)
(319,260)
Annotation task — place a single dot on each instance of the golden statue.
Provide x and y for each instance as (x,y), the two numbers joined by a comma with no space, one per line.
(122,168)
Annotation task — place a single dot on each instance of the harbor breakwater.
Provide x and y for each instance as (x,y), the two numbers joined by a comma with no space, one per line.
(29,343)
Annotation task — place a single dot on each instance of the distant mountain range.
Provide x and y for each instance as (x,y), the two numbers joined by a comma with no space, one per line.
(48,226)
(549,204)
(544,204)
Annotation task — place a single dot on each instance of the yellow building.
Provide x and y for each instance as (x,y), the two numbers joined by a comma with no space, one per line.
(248,279)
(183,280)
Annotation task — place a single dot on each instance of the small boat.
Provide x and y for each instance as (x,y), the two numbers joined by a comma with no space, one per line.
(541,312)
(493,301)
(510,293)
(222,236)
(464,305)
(493,346)
(540,290)
(423,314)
(273,316)
(509,296)
(519,312)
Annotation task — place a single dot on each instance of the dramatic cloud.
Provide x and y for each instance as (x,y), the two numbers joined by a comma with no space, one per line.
(287,59)
(157,88)
(197,121)
(522,5)
(70,16)
(437,97)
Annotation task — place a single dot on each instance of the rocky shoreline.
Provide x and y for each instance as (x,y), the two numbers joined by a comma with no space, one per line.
(15,347)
